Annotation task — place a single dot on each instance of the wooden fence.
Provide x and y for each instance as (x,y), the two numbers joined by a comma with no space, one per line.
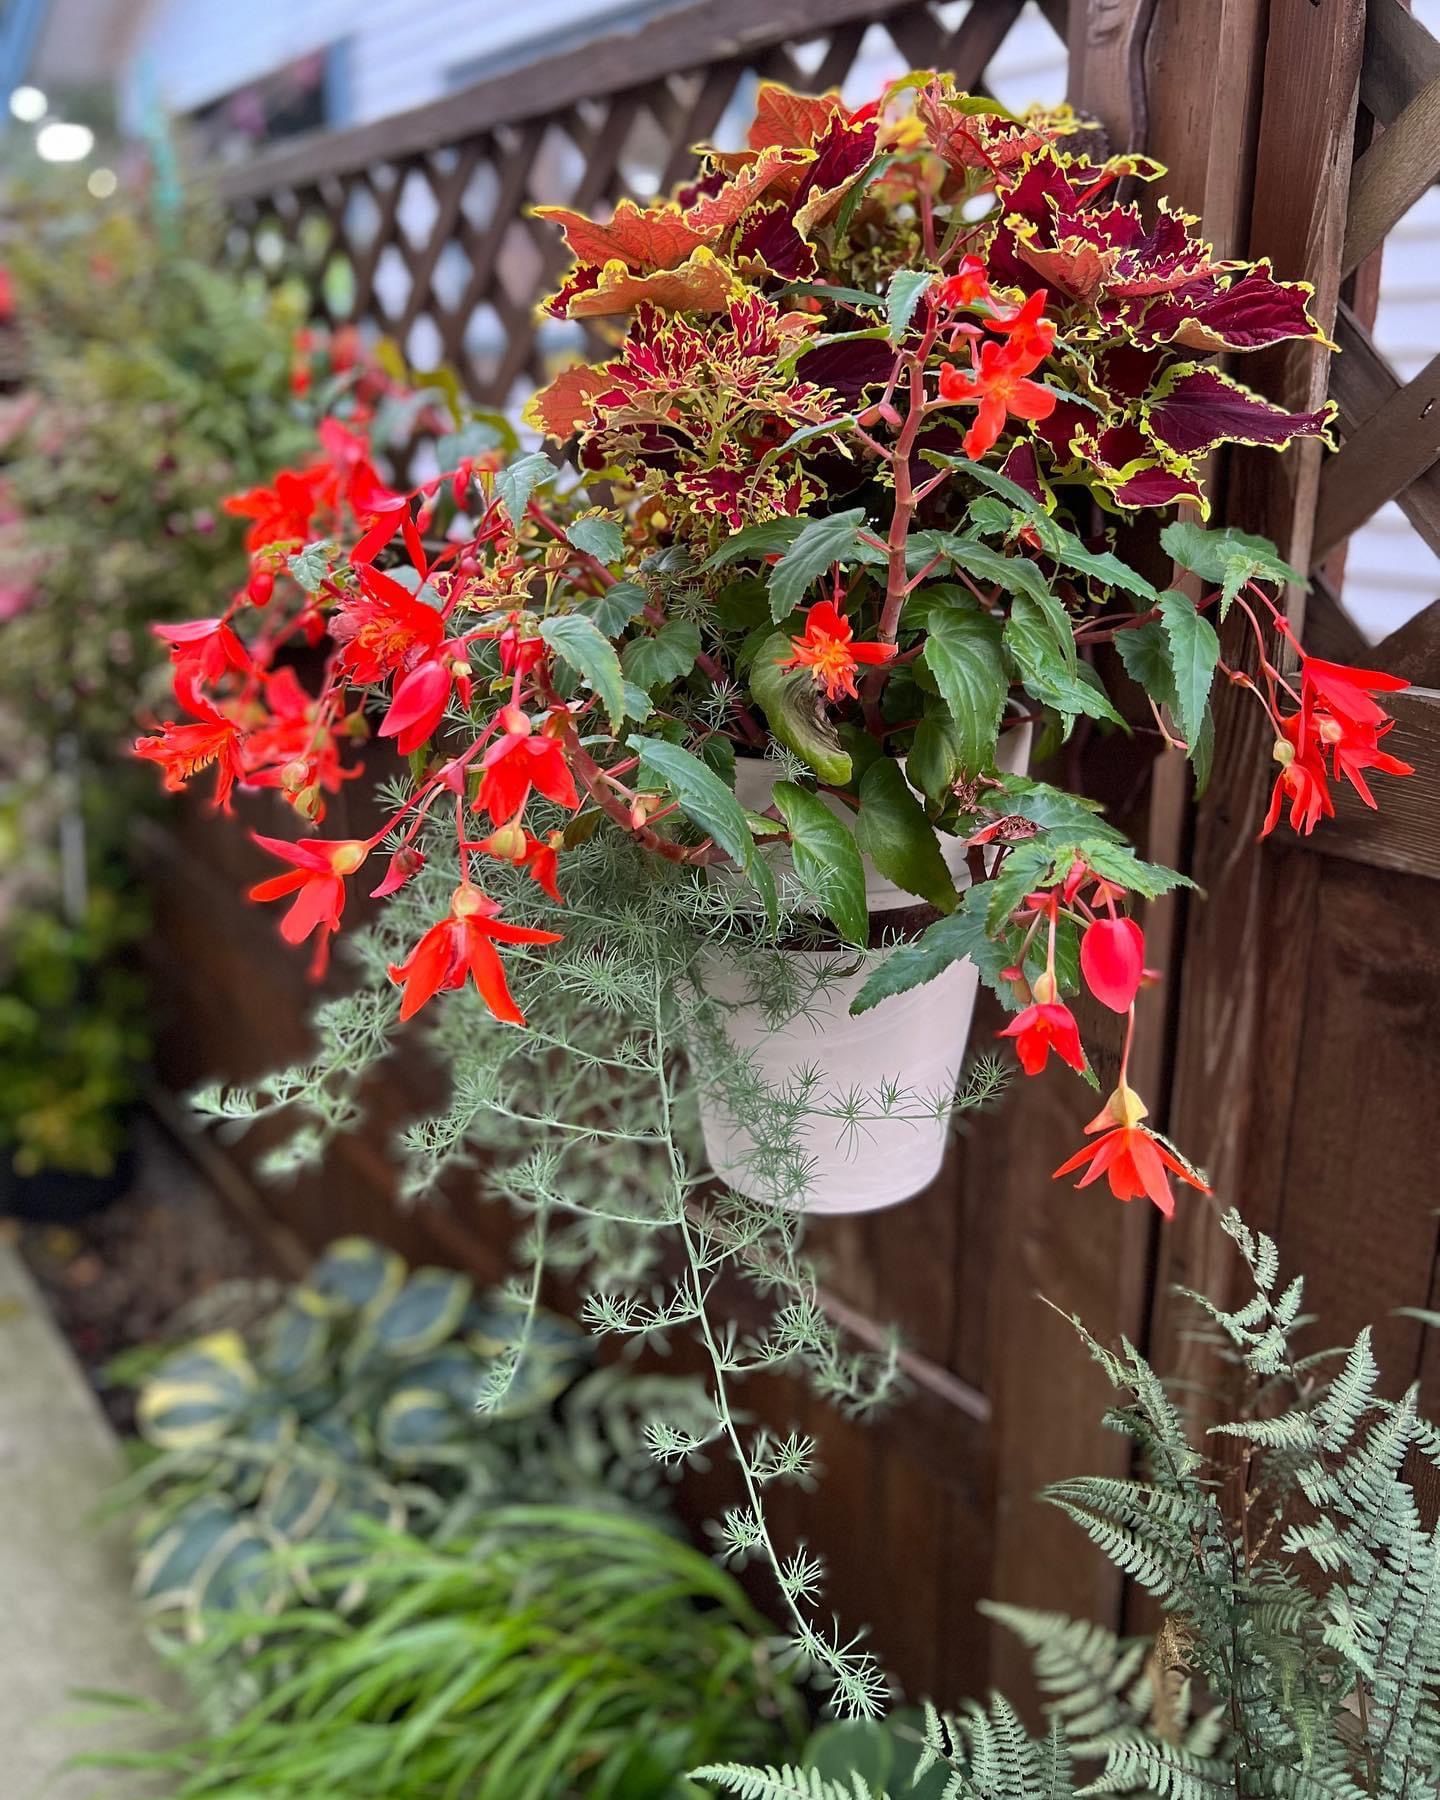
(1298,1058)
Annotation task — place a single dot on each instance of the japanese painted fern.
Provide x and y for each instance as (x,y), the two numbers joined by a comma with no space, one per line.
(1300,1580)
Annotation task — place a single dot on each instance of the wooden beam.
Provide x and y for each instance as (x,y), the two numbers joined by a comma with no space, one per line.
(1361,382)
(1381,458)
(1107,77)
(692,37)
(1401,58)
(1392,175)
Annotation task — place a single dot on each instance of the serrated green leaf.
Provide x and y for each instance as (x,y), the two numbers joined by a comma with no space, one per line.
(934,761)
(1015,574)
(902,297)
(1145,652)
(960,934)
(706,801)
(1031,639)
(962,652)
(793,710)
(820,544)
(767,539)
(580,642)
(597,536)
(1228,558)
(518,480)
(1051,808)
(827,862)
(892,830)
(613,610)
(664,656)
(1194,652)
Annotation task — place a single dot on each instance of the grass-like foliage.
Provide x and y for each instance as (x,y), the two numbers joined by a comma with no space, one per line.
(1300,1580)
(562,1653)
(587,1125)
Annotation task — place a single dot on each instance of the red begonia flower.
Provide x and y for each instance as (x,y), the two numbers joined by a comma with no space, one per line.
(461,945)
(523,759)
(968,284)
(1041,1028)
(1112,960)
(316,877)
(1133,1158)
(999,382)
(828,649)
(383,628)
(1301,781)
(201,650)
(182,751)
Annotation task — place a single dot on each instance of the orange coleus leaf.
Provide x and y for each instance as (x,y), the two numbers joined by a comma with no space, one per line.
(641,238)
(1076,269)
(560,409)
(791,120)
(713,214)
(702,284)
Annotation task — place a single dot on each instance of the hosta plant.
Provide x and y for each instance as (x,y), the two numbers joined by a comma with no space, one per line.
(1298,1569)
(372,1391)
(836,520)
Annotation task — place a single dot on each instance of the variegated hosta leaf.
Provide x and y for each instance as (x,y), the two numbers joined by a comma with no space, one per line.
(170,1561)
(416,1424)
(352,1274)
(297,1500)
(294,1344)
(196,1396)
(419,1317)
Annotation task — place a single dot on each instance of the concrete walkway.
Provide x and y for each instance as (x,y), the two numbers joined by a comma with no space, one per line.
(66,1617)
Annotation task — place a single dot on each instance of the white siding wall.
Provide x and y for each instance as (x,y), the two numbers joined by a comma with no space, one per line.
(190,52)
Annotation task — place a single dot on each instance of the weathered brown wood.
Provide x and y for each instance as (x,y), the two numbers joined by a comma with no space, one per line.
(1401,57)
(1107,74)
(1413,649)
(1382,457)
(1392,175)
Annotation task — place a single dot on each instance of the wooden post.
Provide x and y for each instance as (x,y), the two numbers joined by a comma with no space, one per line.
(1227,1055)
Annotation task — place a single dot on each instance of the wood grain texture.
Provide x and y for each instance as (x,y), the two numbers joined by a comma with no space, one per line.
(1401,58)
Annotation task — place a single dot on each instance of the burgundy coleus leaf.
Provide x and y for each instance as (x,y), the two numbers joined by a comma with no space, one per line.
(1194,409)
(841,157)
(1247,314)
(768,237)
(848,368)
(1112,960)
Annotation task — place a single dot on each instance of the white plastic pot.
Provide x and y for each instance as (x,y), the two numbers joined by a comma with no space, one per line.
(914,1042)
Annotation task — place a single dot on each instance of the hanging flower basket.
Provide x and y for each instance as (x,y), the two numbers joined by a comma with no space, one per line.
(877,1119)
(886,382)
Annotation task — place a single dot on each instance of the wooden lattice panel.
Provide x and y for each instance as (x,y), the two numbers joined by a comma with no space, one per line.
(1391,428)
(420,226)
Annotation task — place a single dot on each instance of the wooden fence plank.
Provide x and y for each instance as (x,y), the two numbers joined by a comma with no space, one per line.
(691,37)
(1392,449)
(1361,382)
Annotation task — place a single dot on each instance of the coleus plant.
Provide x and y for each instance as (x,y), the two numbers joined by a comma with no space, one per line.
(885,383)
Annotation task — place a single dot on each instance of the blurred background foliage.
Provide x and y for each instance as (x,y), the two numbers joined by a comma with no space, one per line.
(153,383)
